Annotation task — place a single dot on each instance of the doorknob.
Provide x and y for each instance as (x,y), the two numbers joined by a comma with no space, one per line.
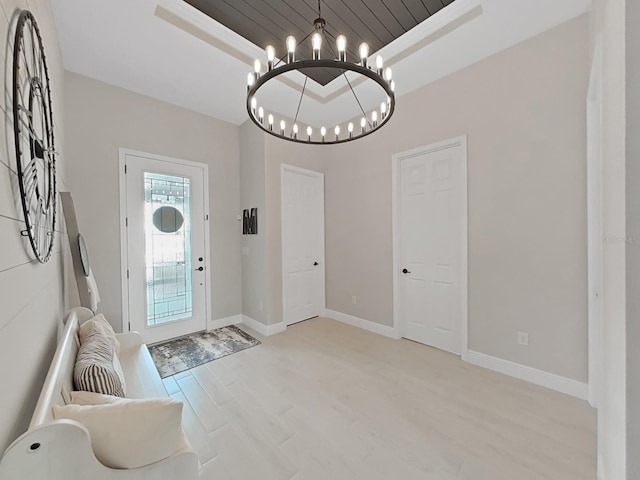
(405,271)
(315,264)
(199,269)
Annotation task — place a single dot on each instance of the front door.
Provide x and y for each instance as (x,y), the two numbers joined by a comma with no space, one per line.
(432,239)
(165,241)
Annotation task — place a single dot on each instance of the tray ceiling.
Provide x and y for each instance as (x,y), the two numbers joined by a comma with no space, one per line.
(269,22)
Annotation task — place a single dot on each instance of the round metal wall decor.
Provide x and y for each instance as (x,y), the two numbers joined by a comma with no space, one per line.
(34,137)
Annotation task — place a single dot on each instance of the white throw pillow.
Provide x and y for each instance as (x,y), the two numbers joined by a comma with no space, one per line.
(130,433)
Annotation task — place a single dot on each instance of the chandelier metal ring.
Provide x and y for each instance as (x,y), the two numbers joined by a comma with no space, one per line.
(344,66)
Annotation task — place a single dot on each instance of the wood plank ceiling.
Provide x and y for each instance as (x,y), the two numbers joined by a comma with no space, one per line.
(270,22)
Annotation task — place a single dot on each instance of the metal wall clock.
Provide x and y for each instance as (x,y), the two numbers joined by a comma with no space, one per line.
(34,137)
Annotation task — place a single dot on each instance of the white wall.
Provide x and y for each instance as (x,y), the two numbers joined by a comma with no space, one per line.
(633,233)
(32,295)
(100,119)
(608,21)
(524,113)
(252,194)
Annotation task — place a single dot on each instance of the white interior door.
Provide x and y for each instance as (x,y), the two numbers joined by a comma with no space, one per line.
(431,244)
(302,244)
(165,243)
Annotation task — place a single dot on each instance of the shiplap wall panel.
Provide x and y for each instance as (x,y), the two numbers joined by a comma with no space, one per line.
(33,296)
(8,201)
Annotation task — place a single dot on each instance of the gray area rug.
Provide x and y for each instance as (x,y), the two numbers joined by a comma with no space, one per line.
(180,354)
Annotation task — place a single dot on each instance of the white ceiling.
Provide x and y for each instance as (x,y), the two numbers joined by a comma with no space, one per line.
(127,43)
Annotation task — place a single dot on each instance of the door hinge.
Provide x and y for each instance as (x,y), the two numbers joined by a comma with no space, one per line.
(126,222)
(125,169)
(127,273)
(129,326)
(206,218)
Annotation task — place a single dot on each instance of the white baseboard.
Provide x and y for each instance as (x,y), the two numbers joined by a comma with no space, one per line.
(224,322)
(263,329)
(362,323)
(529,374)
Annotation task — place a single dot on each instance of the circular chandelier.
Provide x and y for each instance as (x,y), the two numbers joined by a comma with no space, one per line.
(368,122)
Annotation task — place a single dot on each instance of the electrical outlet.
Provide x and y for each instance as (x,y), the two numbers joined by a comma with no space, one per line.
(523,339)
(354,299)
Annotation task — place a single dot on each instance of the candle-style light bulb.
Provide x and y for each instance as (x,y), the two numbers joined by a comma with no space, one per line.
(350,129)
(393,85)
(341,43)
(251,79)
(291,49)
(309,132)
(379,64)
(257,66)
(295,130)
(383,110)
(388,74)
(282,127)
(364,53)
(323,132)
(261,114)
(316,44)
(363,124)
(270,120)
(271,55)
(337,131)
(254,104)
(374,119)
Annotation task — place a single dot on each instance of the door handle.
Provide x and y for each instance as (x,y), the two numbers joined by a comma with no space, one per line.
(405,271)
(199,269)
(315,264)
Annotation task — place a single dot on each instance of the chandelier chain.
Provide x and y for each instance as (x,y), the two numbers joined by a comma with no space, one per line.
(356,96)
(301,96)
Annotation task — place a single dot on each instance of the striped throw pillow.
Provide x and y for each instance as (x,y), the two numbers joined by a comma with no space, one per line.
(97,367)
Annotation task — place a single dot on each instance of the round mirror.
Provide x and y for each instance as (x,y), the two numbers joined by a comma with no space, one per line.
(168,219)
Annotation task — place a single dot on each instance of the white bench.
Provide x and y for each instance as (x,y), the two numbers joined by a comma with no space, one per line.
(61,449)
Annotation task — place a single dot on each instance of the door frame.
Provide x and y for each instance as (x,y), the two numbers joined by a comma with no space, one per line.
(124,253)
(396,159)
(595,232)
(310,173)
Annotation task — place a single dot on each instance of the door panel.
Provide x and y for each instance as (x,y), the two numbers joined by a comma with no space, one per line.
(165,207)
(430,247)
(302,244)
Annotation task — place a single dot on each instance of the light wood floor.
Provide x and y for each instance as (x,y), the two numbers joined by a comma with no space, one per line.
(328,401)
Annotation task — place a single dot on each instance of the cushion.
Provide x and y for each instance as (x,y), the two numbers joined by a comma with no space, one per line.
(80,397)
(100,323)
(130,433)
(97,367)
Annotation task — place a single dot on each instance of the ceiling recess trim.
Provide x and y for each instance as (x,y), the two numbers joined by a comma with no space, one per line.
(191,20)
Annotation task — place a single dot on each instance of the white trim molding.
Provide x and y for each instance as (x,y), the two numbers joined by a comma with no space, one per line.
(374,327)
(261,328)
(224,322)
(555,382)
